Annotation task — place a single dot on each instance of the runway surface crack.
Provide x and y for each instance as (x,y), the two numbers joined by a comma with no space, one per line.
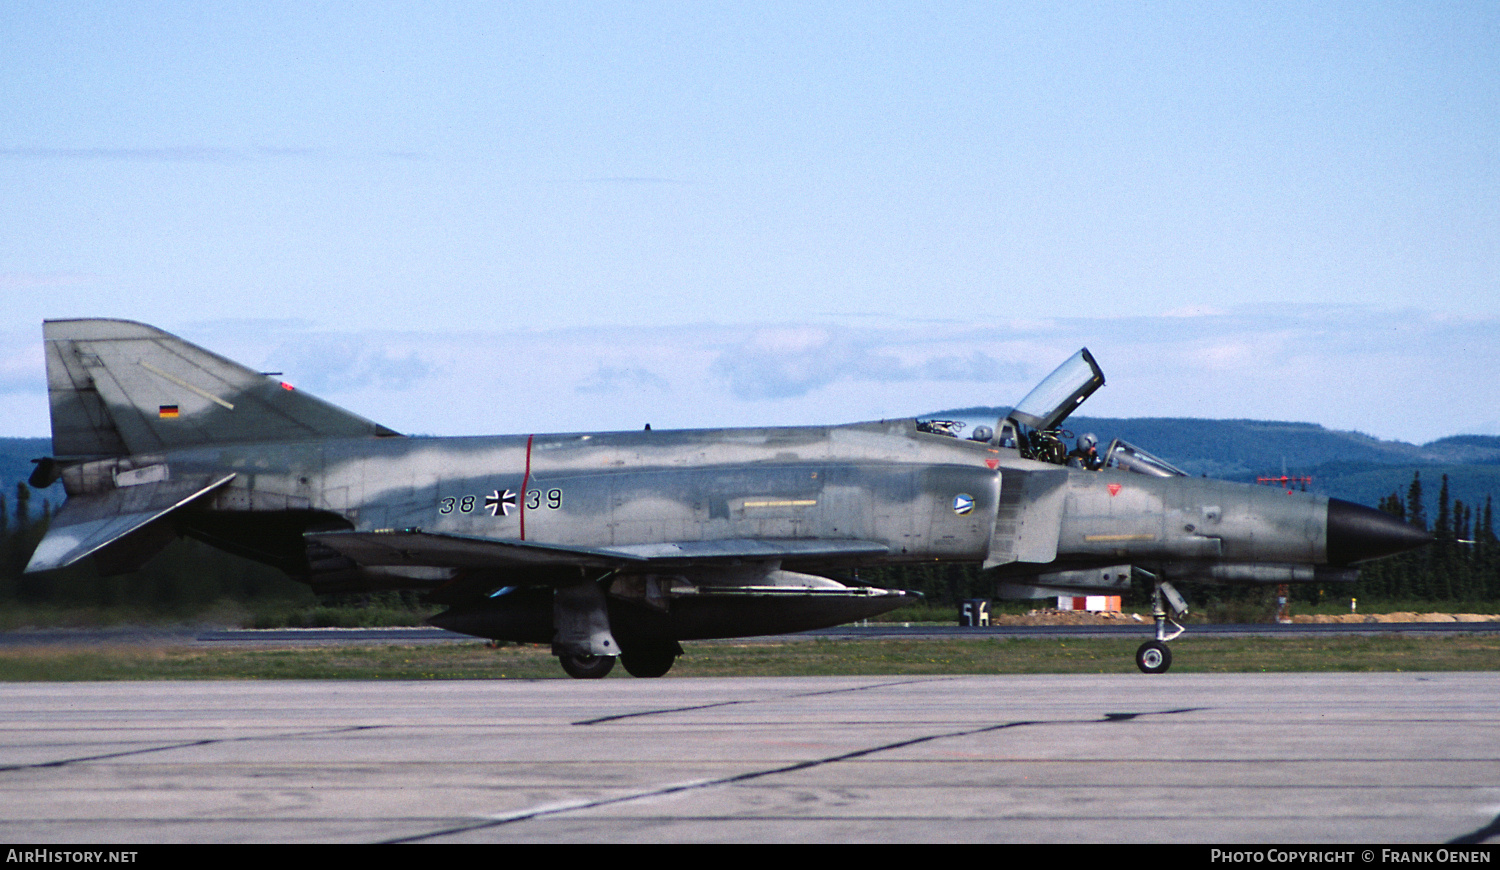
(1126,717)
(146,750)
(667,710)
(1482,835)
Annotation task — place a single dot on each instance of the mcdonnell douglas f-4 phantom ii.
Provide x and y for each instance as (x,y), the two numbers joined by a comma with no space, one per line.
(621,544)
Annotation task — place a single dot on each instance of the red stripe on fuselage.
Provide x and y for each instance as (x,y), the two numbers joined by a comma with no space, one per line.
(525,482)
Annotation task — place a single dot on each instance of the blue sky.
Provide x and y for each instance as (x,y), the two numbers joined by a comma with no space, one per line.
(471,218)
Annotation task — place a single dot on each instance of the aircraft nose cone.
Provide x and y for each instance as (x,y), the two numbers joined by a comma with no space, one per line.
(1357,533)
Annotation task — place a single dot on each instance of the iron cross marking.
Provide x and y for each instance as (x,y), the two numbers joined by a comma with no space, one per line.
(499,503)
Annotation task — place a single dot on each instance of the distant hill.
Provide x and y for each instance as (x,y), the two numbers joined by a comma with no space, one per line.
(1346,465)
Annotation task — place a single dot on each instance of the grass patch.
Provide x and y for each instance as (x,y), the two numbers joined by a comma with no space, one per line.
(341,616)
(1094,656)
(370,611)
(453,661)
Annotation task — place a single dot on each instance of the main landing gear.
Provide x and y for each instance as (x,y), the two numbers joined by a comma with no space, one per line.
(1154,656)
(585,666)
(582,641)
(648,661)
(585,645)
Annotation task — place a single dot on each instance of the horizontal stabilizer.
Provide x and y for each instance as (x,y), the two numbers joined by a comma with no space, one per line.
(88,523)
(413,547)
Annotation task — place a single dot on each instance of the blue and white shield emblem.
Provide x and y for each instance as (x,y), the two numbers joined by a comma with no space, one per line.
(963,503)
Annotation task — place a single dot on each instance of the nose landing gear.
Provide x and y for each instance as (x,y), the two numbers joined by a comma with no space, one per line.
(1154,656)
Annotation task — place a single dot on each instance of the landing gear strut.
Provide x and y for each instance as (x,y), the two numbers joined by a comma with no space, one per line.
(582,640)
(1154,656)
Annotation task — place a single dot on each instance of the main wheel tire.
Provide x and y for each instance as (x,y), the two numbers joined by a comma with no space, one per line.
(647,662)
(586,667)
(1153,657)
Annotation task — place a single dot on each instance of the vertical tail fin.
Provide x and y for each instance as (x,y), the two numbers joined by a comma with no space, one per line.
(118,388)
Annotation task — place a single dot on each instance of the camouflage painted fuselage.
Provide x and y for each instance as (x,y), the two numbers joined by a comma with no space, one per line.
(920,495)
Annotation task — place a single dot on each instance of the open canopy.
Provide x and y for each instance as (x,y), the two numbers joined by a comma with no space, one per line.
(1051,401)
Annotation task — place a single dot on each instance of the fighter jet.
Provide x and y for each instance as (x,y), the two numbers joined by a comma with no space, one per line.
(622,544)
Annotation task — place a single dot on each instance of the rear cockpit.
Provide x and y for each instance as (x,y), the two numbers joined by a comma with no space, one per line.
(1033,427)
(946,424)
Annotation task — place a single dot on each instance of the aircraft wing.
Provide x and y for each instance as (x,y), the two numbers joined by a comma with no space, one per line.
(413,547)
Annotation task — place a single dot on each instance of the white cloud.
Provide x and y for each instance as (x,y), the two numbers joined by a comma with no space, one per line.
(615,379)
(780,363)
(347,363)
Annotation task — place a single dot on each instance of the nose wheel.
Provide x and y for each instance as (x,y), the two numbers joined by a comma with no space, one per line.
(1154,656)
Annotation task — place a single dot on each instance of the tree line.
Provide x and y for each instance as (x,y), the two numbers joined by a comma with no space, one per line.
(1463,562)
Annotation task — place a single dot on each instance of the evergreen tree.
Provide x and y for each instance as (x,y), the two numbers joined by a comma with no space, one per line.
(1462,558)
(23,507)
(1440,583)
(1487,552)
(1414,512)
(1443,527)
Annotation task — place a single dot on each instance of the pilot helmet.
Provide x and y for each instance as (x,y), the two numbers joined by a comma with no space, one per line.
(1087,441)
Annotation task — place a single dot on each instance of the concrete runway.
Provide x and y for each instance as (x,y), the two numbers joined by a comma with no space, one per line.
(1241,758)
